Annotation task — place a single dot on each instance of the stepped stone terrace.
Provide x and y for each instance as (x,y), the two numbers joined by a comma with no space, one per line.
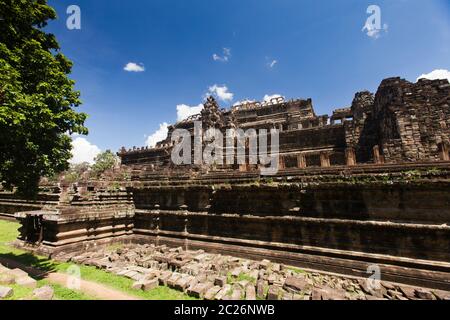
(368,185)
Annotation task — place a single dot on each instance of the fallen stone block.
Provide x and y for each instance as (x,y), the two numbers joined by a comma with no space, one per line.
(276,267)
(7,279)
(243,284)
(173,280)
(199,290)
(264,264)
(260,285)
(148,285)
(137,285)
(225,291)
(26,282)
(165,275)
(183,283)
(220,281)
(43,293)
(236,295)
(295,284)
(212,292)
(236,272)
(152,275)
(17,273)
(424,294)
(192,283)
(442,295)
(254,274)
(250,293)
(6,292)
(273,293)
(328,294)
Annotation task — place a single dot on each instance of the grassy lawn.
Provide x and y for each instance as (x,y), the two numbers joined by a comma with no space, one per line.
(8,233)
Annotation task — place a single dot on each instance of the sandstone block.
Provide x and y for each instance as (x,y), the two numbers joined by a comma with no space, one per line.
(183,283)
(200,289)
(149,284)
(223,292)
(7,279)
(26,281)
(6,292)
(260,285)
(273,293)
(250,293)
(43,293)
(424,294)
(212,292)
(220,281)
(295,284)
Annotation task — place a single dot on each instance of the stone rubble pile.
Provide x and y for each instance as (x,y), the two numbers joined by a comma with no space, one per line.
(218,277)
(19,277)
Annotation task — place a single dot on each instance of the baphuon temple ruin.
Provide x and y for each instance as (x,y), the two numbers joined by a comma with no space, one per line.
(369,184)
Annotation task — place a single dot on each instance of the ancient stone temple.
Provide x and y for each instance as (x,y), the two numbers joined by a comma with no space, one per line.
(367,185)
(402,122)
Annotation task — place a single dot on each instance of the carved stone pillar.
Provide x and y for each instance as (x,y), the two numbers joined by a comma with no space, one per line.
(443,152)
(350,157)
(377,157)
(325,159)
(301,161)
(281,165)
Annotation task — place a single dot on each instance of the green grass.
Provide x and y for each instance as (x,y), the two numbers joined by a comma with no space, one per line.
(62,293)
(8,233)
(20,292)
(242,277)
(296,270)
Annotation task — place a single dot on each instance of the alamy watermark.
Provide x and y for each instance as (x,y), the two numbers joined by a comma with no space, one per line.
(73,22)
(373,26)
(374,280)
(73,281)
(209,147)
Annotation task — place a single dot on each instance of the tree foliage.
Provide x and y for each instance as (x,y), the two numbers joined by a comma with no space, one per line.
(104,161)
(37,99)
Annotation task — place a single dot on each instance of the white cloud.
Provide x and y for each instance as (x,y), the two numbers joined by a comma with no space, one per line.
(436,74)
(267,97)
(134,67)
(184,111)
(226,55)
(221,92)
(158,136)
(83,151)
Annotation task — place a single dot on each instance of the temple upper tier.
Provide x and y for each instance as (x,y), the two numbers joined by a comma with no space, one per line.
(402,122)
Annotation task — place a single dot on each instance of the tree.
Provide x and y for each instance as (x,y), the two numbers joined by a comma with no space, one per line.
(37,99)
(104,161)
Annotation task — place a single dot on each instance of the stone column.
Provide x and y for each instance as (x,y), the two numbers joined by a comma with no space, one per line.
(301,161)
(377,157)
(325,159)
(443,152)
(281,162)
(350,157)
(243,167)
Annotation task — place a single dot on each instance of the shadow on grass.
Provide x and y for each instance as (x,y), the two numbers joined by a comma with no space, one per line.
(37,266)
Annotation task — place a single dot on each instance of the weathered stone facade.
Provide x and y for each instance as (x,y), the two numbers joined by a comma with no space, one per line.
(402,122)
(368,186)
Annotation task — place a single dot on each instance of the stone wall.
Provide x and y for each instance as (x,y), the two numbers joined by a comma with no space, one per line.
(81,216)
(414,119)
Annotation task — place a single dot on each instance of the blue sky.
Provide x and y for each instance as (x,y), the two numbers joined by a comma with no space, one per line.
(319,47)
